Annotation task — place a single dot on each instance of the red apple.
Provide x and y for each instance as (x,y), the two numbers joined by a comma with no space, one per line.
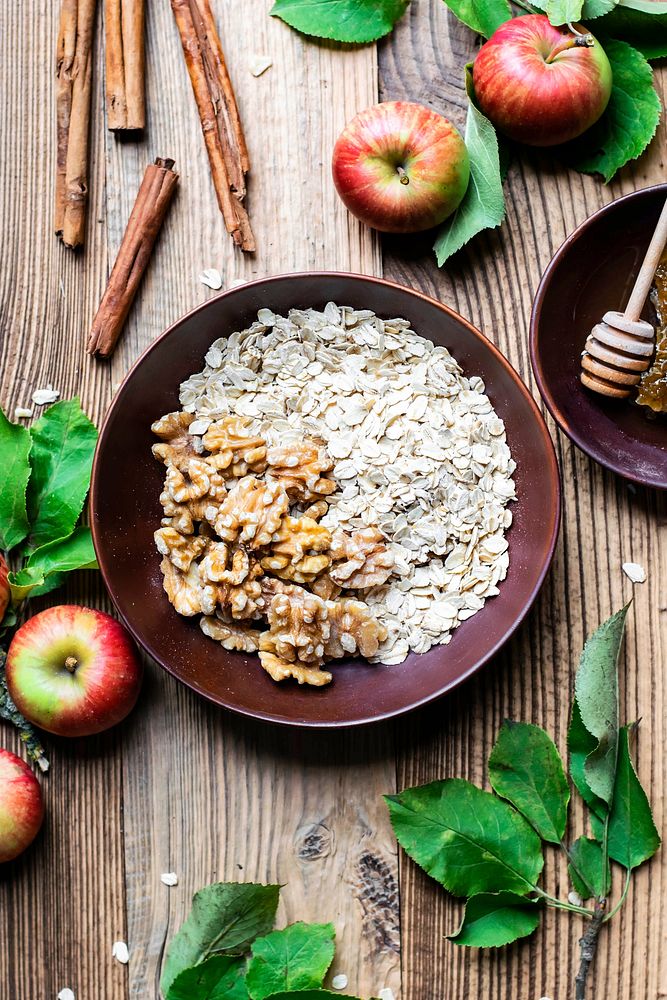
(541,85)
(21,806)
(73,671)
(5,592)
(400,167)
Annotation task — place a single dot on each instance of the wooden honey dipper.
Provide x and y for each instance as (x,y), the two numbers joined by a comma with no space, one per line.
(620,348)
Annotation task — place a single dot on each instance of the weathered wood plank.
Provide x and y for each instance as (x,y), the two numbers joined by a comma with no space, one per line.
(492,283)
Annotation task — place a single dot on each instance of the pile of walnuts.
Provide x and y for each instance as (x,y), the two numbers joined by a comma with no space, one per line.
(243,545)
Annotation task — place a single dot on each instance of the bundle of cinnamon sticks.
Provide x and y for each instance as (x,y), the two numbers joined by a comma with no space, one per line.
(125,108)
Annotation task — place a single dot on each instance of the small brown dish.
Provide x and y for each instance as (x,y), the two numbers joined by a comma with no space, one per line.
(592,273)
(125,510)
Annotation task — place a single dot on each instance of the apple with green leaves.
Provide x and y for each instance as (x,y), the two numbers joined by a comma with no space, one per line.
(21,806)
(539,84)
(73,671)
(400,167)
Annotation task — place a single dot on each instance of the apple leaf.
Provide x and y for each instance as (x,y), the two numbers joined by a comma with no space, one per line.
(483,205)
(467,839)
(218,978)
(225,919)
(63,442)
(596,8)
(580,744)
(15,445)
(483,16)
(357,21)
(563,11)
(644,29)
(296,958)
(588,873)
(494,919)
(51,561)
(630,121)
(525,768)
(632,836)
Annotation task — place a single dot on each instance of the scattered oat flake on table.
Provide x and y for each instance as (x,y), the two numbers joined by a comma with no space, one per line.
(41,397)
(120,952)
(575,899)
(66,994)
(259,64)
(211,277)
(635,572)
(339,982)
(169,878)
(237,282)
(23,412)
(386,994)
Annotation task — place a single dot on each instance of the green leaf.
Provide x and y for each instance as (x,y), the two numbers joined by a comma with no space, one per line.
(466,838)
(493,919)
(587,863)
(63,443)
(47,564)
(296,958)
(646,32)
(630,121)
(596,691)
(218,978)
(15,444)
(596,8)
(525,768)
(342,20)
(483,205)
(483,16)
(632,836)
(563,11)
(580,744)
(226,917)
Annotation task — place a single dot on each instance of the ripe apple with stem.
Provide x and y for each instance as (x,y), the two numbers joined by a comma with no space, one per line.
(73,671)
(21,806)
(400,167)
(539,84)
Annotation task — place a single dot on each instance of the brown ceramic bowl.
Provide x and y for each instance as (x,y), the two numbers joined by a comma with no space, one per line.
(593,272)
(125,508)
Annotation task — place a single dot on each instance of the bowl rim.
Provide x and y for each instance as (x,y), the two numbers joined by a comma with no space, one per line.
(555,478)
(586,445)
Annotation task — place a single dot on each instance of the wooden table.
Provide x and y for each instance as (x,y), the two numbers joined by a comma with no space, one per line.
(183,787)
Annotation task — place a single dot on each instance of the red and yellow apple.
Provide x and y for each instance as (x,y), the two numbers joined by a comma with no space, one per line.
(21,806)
(5,593)
(400,167)
(73,671)
(541,85)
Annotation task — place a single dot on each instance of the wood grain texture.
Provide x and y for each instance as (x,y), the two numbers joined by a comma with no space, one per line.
(606,522)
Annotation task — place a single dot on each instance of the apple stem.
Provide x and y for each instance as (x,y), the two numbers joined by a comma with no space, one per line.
(402,175)
(586,41)
(71,663)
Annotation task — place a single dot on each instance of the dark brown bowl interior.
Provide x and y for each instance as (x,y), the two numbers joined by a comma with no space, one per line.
(593,272)
(125,511)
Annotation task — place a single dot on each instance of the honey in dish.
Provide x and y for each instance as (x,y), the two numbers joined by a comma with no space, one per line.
(652,388)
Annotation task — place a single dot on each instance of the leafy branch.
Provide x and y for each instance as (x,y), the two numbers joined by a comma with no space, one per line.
(42,494)
(488,846)
(226,948)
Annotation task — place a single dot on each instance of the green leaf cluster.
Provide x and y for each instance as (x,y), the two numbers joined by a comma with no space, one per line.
(356,21)
(489,846)
(46,479)
(226,949)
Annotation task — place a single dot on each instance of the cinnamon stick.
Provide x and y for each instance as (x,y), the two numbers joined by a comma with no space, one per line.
(219,114)
(73,91)
(124,61)
(153,199)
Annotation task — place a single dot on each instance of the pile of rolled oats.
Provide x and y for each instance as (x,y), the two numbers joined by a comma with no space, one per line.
(420,455)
